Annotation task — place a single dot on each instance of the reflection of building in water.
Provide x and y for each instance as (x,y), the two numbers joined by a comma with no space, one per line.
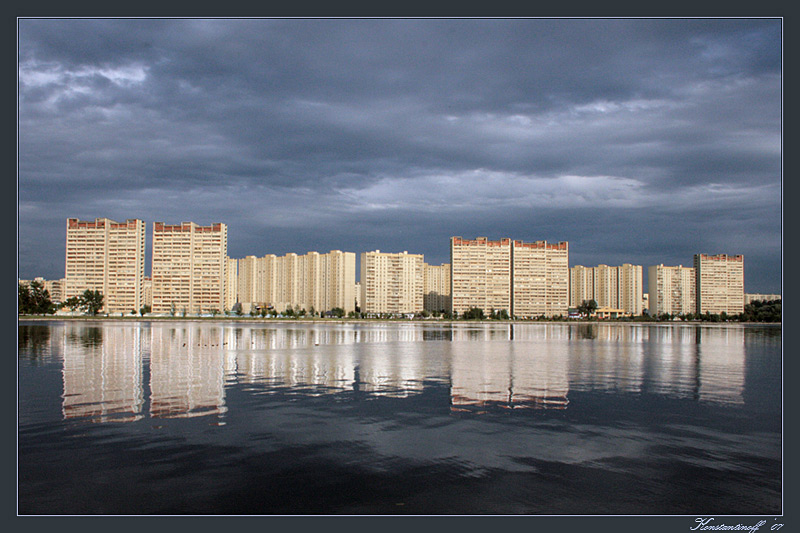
(186,372)
(607,357)
(328,372)
(396,369)
(673,360)
(380,362)
(102,373)
(514,375)
(702,363)
(721,360)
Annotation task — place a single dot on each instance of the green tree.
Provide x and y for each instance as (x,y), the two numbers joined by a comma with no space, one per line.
(33,299)
(587,307)
(474,313)
(92,301)
(337,312)
(144,310)
(762,311)
(73,303)
(23,300)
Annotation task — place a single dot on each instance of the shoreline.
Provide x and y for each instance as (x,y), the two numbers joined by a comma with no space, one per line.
(260,320)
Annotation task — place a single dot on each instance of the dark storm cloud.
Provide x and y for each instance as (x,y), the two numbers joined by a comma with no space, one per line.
(640,141)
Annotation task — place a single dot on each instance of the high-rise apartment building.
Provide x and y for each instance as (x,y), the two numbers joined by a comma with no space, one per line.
(55,288)
(540,279)
(614,287)
(581,285)
(606,286)
(391,282)
(671,290)
(436,287)
(106,256)
(480,274)
(525,279)
(312,281)
(189,264)
(148,292)
(720,283)
(630,286)
(231,283)
(748,297)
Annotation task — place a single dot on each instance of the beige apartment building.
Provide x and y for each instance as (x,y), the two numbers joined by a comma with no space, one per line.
(540,279)
(312,281)
(148,292)
(671,289)
(106,256)
(720,283)
(581,285)
(231,283)
(613,287)
(480,274)
(391,282)
(525,279)
(54,287)
(748,297)
(188,269)
(436,287)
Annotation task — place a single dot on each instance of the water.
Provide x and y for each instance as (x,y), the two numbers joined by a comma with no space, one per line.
(398,418)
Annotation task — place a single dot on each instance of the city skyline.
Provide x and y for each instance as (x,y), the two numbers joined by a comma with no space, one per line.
(637,141)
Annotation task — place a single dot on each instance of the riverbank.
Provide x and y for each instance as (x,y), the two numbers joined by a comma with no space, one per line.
(262,320)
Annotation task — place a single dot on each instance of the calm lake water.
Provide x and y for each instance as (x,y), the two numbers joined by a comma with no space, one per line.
(398,418)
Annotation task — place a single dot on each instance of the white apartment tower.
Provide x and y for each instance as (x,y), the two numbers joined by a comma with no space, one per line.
(540,279)
(189,268)
(581,285)
(231,283)
(312,281)
(671,289)
(631,288)
(391,282)
(480,274)
(525,279)
(615,287)
(720,283)
(436,287)
(106,256)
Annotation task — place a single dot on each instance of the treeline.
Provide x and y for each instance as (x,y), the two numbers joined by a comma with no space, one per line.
(34,299)
(762,311)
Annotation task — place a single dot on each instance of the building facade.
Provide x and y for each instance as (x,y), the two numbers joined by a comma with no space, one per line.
(612,287)
(480,274)
(231,283)
(671,290)
(720,283)
(314,282)
(540,279)
(106,256)
(436,287)
(391,283)
(525,279)
(748,297)
(581,285)
(189,267)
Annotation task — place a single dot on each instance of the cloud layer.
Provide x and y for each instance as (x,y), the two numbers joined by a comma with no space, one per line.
(641,141)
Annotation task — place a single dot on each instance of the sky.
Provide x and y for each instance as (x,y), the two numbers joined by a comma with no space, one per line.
(639,141)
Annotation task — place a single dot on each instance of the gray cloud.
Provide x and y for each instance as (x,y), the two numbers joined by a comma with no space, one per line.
(637,140)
